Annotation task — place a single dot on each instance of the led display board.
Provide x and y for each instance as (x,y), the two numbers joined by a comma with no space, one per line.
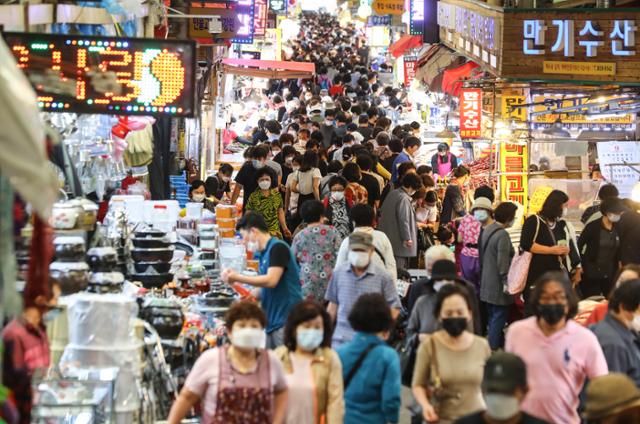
(245,11)
(111,75)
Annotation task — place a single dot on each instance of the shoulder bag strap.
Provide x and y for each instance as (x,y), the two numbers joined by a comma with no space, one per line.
(435,369)
(379,253)
(482,246)
(357,365)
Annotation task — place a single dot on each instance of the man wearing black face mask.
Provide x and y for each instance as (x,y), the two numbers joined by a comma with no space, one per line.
(560,354)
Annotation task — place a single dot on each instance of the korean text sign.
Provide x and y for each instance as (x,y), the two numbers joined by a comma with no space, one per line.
(470,113)
(514,165)
(119,76)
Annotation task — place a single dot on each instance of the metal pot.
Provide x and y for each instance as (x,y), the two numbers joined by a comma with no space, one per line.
(165,316)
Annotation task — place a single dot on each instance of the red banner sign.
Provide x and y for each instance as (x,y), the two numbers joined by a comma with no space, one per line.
(409,70)
(470,113)
(260,18)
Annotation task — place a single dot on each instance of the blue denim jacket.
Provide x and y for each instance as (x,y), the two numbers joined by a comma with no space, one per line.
(373,396)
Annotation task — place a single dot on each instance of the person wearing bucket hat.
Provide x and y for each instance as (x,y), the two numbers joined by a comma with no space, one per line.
(612,399)
(421,320)
(351,280)
(469,229)
(504,386)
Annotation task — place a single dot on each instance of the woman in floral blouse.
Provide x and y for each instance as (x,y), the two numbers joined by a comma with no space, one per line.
(355,192)
(315,249)
(337,206)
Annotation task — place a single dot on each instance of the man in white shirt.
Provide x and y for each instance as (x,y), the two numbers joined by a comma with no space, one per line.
(363,218)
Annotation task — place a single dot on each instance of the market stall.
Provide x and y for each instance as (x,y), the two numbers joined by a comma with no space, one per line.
(554,97)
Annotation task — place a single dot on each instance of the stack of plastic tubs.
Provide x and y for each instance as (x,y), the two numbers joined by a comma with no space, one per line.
(94,345)
(179,184)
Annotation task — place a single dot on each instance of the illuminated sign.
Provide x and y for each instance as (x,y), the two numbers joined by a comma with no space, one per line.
(278,6)
(245,12)
(621,37)
(260,18)
(416,17)
(513,167)
(125,76)
(470,113)
(409,69)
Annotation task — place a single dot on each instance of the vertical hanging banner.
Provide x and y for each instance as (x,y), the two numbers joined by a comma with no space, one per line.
(416,17)
(409,69)
(245,12)
(261,8)
(514,162)
(278,6)
(470,113)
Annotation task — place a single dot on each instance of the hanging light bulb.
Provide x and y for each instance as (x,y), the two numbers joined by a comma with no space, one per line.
(556,130)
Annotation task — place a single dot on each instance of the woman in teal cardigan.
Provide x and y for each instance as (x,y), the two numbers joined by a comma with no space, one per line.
(370,368)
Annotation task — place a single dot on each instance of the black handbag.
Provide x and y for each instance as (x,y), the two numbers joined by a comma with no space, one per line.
(408,355)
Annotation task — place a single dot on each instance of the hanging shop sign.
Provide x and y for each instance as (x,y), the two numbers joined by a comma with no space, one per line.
(470,113)
(245,11)
(375,20)
(514,164)
(509,111)
(612,157)
(278,6)
(199,27)
(388,7)
(578,120)
(473,29)
(587,45)
(119,76)
(378,36)
(416,17)
(274,36)
(261,9)
(409,69)
(430,30)
(593,44)
(538,198)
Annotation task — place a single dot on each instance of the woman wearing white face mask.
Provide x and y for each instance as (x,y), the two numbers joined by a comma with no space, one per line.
(598,244)
(239,383)
(337,206)
(268,203)
(197,194)
(313,369)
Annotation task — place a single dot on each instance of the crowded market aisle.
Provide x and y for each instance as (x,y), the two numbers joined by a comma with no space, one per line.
(351,258)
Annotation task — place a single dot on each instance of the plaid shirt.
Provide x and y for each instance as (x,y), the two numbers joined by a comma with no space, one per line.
(26,348)
(345,288)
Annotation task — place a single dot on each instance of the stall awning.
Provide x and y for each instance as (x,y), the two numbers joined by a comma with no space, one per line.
(406,42)
(453,78)
(434,62)
(273,69)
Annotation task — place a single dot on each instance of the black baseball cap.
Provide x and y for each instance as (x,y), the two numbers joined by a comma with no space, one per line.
(503,373)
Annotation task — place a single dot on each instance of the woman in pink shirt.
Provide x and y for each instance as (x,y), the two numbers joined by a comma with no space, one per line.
(560,354)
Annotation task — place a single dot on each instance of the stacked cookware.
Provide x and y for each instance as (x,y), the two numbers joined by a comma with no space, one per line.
(152,253)
(69,271)
(106,276)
